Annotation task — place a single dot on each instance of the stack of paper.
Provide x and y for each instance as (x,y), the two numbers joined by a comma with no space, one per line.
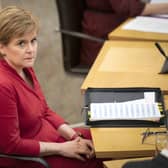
(127,110)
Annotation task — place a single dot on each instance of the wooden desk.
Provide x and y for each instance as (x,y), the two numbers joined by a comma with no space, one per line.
(120,163)
(127,64)
(141,62)
(120,143)
(120,34)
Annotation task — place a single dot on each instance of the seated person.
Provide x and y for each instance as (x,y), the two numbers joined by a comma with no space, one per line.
(160,161)
(103,16)
(28,126)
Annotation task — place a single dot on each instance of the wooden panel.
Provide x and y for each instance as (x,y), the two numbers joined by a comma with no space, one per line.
(122,142)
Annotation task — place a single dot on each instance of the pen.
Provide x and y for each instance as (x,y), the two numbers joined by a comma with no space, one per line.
(161,50)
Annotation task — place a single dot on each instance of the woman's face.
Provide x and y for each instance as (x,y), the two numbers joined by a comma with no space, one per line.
(21,52)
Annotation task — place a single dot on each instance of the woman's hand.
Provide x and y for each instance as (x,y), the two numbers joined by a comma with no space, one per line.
(89,144)
(79,148)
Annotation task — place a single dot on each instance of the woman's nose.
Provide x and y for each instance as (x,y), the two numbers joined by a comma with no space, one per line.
(30,47)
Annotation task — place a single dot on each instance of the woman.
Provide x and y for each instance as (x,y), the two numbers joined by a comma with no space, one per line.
(103,16)
(31,127)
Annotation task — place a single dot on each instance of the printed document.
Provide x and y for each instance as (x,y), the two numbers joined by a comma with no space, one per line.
(138,109)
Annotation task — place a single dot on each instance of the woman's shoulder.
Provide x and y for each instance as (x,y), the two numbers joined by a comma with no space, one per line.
(5,82)
(6,77)
(6,87)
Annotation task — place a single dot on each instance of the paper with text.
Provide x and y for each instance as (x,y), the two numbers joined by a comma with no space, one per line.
(126,110)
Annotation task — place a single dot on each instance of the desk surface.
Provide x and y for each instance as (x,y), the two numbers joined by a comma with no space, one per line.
(121,34)
(127,64)
(142,72)
(122,142)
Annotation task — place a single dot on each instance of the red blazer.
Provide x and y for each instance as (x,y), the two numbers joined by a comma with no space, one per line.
(25,118)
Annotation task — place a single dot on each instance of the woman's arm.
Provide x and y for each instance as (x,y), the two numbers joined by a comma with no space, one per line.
(127,8)
(75,147)
(11,142)
(134,8)
(159,8)
(78,149)
(67,132)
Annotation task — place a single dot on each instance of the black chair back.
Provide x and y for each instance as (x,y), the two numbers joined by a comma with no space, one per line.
(70,16)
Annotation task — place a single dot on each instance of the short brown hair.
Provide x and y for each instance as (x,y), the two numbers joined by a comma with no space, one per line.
(15,22)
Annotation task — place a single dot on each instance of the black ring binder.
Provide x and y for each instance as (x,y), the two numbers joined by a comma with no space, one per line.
(99,95)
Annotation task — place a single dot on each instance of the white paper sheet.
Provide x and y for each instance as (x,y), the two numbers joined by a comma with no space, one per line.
(119,111)
(148,24)
(149,97)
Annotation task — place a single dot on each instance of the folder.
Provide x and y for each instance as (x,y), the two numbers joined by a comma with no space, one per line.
(120,96)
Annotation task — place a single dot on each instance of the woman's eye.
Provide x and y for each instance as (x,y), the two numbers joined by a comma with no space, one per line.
(33,40)
(21,44)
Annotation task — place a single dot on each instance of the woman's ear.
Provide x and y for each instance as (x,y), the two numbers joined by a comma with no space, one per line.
(2,49)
